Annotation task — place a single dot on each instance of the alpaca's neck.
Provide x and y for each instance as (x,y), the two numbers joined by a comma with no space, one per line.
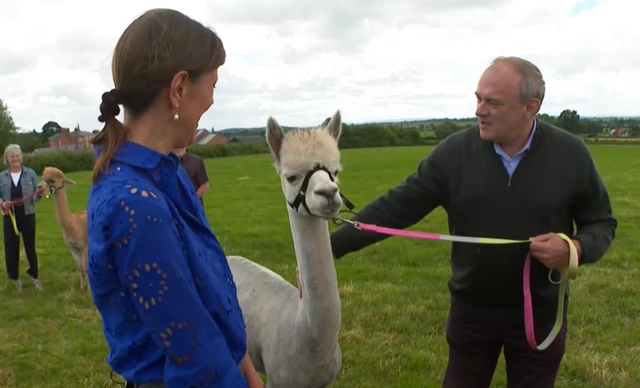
(320,304)
(62,210)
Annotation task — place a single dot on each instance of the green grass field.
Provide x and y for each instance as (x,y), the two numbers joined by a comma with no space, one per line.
(394,294)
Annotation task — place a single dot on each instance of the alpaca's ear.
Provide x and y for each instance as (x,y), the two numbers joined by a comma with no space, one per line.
(275,135)
(335,125)
(69,181)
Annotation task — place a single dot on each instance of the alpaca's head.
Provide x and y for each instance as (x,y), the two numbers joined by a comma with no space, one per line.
(53,180)
(311,158)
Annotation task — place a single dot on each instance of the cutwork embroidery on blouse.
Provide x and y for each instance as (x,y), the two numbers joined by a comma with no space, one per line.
(149,281)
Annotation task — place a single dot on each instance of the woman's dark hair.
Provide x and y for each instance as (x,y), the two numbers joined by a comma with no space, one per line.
(155,46)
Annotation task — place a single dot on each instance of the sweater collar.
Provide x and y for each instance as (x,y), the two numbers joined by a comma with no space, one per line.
(526,146)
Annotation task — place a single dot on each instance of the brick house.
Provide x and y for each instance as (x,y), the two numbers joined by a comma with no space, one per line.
(619,132)
(66,138)
(200,134)
(204,137)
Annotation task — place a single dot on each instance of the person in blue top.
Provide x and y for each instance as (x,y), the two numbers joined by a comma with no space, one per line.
(158,275)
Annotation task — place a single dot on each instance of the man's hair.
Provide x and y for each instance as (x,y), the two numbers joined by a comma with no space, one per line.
(532,84)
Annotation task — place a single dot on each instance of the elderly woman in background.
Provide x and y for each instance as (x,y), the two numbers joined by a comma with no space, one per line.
(17,198)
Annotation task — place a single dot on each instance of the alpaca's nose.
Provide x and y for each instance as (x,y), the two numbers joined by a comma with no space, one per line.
(327,192)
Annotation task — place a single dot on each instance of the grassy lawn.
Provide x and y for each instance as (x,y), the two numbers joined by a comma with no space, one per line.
(394,294)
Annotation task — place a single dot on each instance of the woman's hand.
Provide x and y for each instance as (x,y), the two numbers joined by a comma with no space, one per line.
(254,380)
(251,374)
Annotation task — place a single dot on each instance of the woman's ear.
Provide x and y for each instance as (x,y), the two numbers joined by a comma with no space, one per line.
(177,88)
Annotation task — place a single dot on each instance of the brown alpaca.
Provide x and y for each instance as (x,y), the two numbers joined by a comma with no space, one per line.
(74,225)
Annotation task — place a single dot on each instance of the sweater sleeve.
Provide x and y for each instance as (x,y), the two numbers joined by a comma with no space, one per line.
(151,262)
(591,211)
(401,207)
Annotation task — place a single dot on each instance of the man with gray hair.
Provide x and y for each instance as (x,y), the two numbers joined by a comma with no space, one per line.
(511,177)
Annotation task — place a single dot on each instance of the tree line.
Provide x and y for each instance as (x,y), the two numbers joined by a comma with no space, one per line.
(568,119)
(402,133)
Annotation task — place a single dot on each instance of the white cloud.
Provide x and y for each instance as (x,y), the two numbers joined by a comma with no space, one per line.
(299,60)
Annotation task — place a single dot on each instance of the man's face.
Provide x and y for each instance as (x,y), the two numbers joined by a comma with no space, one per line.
(501,115)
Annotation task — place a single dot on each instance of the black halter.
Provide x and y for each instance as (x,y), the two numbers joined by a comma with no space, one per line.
(53,188)
(301,197)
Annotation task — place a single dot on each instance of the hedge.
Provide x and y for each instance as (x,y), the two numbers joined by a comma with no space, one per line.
(73,161)
(83,160)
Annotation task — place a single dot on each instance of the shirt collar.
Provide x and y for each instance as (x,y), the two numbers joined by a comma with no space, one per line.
(137,155)
(526,146)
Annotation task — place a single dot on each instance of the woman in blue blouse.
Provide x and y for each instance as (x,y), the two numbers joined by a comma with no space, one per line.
(158,275)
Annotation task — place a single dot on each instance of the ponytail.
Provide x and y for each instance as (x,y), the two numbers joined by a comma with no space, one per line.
(111,136)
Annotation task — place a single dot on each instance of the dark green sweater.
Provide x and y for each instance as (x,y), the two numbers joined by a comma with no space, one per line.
(555,184)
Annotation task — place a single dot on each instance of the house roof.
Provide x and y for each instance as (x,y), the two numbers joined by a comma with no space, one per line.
(75,133)
(206,139)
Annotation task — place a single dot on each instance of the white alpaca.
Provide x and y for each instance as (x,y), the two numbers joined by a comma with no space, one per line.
(293,333)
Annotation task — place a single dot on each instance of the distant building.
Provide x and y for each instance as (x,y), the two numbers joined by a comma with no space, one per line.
(78,140)
(619,132)
(248,139)
(204,137)
(66,138)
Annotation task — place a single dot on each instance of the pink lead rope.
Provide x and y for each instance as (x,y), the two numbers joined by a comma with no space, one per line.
(569,273)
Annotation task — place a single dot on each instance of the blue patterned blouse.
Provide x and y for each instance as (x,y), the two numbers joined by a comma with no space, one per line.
(160,278)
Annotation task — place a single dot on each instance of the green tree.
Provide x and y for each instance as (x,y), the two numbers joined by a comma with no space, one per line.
(29,141)
(7,126)
(49,129)
(547,118)
(444,129)
(569,120)
(594,127)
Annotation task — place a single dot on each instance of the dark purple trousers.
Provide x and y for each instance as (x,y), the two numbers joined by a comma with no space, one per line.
(475,345)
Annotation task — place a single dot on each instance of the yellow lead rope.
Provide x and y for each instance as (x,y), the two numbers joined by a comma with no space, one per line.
(9,212)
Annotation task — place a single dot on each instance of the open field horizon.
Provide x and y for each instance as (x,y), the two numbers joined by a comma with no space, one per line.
(394,294)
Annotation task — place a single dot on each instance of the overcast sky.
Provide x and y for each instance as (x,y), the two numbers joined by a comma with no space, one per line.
(300,60)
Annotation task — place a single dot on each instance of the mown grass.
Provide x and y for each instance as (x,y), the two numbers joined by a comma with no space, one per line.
(394,294)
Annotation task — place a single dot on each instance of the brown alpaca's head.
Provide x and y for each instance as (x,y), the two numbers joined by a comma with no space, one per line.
(53,180)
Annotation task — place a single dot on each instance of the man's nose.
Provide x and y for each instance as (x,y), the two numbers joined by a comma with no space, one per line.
(481,110)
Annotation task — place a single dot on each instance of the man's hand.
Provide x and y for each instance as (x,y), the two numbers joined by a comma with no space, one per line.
(551,250)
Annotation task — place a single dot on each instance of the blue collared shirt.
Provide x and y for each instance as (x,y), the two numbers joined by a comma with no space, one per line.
(510,163)
(159,277)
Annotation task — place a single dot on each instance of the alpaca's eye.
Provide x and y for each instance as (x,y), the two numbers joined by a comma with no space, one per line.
(291,178)
(336,173)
